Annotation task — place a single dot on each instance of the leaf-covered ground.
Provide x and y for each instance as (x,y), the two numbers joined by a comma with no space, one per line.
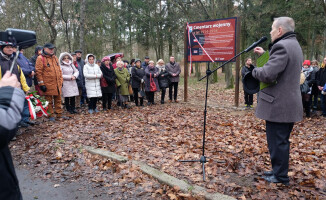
(160,135)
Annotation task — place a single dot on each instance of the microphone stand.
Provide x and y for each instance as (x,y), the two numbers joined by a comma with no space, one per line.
(203,158)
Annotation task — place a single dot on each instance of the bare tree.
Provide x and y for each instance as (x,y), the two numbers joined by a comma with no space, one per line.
(82,25)
(50,19)
(66,26)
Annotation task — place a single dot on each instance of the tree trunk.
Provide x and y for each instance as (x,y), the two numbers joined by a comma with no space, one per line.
(197,69)
(66,26)
(82,25)
(229,79)
(50,19)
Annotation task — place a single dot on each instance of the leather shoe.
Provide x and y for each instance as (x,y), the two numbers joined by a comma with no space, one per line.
(273,179)
(268,173)
(31,123)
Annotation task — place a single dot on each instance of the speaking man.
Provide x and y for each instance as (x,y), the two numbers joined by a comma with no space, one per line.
(280,104)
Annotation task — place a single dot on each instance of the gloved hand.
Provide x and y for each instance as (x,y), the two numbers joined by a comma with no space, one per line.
(142,80)
(43,88)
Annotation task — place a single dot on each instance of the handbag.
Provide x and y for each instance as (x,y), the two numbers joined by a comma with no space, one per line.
(141,91)
(152,85)
(304,87)
(131,92)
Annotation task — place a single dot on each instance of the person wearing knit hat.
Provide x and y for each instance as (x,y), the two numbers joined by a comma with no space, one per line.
(305,86)
(107,83)
(7,50)
(321,81)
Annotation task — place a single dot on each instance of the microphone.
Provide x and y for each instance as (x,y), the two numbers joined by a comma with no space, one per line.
(263,39)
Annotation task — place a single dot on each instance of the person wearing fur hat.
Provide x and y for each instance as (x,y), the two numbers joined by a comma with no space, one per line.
(107,83)
(163,78)
(93,74)
(122,82)
(137,81)
(70,88)
(306,86)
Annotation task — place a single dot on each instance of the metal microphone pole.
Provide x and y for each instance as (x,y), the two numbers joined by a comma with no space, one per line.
(203,158)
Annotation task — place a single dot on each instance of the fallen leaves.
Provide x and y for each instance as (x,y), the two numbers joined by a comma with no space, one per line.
(161,135)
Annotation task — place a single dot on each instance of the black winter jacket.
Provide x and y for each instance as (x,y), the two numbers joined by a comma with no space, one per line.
(321,77)
(11,106)
(163,79)
(109,76)
(137,74)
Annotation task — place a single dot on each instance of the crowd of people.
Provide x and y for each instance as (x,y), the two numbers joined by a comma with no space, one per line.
(312,85)
(78,81)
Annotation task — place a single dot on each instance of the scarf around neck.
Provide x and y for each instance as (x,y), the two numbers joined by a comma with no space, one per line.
(5,56)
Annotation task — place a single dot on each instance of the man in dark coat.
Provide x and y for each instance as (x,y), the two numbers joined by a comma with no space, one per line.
(137,81)
(280,104)
(249,98)
(38,51)
(174,71)
(11,105)
(29,72)
(321,81)
(81,78)
(145,63)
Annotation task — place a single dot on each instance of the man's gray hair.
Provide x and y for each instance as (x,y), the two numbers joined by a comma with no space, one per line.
(287,23)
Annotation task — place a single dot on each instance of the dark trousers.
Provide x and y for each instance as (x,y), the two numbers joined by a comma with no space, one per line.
(25,113)
(323,104)
(70,103)
(314,100)
(175,87)
(163,93)
(83,96)
(136,90)
(107,100)
(306,103)
(150,96)
(92,103)
(279,147)
(249,98)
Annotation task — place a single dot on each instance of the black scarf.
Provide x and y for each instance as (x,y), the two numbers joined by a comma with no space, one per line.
(280,38)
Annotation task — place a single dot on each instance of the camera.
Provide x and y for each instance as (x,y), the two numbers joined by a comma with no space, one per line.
(20,37)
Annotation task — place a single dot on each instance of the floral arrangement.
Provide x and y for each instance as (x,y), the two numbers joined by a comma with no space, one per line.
(38,106)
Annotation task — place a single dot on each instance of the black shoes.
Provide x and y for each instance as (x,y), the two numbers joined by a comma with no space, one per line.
(268,173)
(273,179)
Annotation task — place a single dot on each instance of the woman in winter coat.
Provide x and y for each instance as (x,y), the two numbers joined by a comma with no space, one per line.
(107,83)
(122,82)
(163,78)
(137,81)
(247,68)
(314,88)
(92,74)
(151,73)
(69,89)
(321,81)
(305,86)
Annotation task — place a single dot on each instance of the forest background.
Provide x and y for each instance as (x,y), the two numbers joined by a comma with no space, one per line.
(156,27)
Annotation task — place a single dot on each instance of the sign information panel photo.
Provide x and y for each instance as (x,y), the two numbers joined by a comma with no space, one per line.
(216,37)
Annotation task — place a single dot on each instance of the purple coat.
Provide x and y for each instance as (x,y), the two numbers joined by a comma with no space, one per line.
(151,71)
